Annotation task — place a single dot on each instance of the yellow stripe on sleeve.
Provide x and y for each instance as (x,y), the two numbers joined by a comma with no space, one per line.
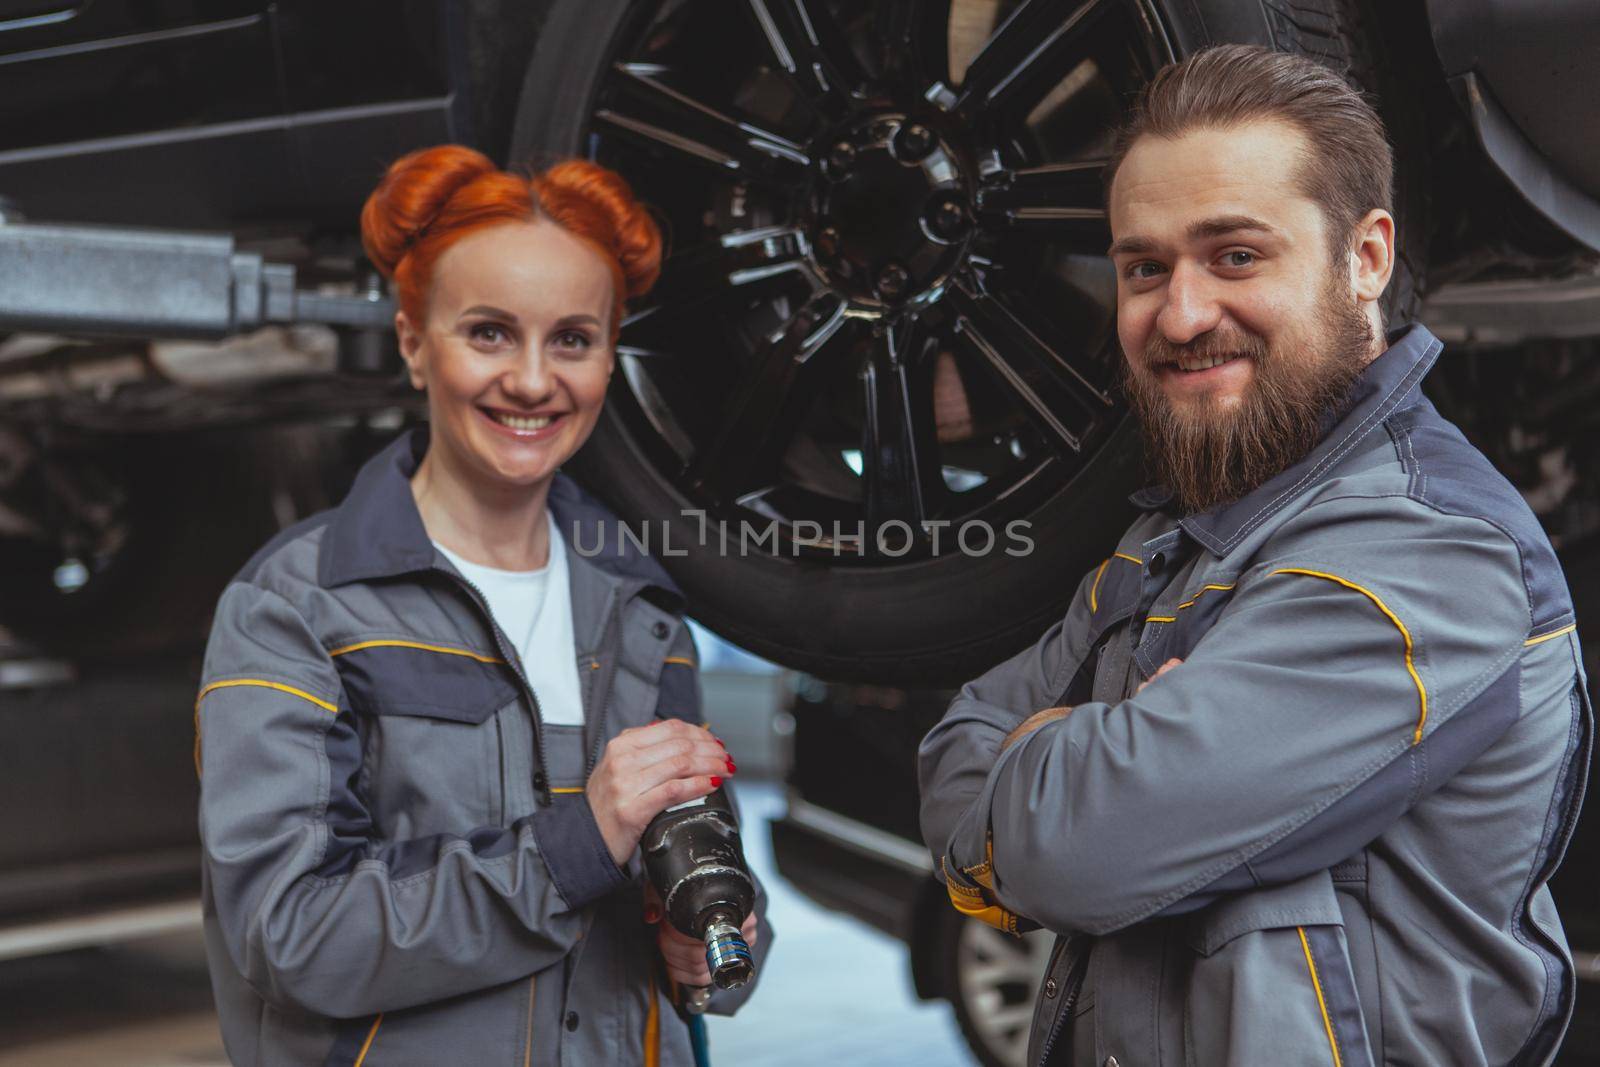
(279,686)
(1422,692)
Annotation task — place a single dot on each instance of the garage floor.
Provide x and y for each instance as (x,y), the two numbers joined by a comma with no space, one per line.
(836,991)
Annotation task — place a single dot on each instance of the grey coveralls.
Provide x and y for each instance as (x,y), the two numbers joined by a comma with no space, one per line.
(1325,838)
(384,880)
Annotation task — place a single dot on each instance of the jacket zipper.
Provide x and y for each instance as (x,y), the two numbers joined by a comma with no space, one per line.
(1068,998)
(541,780)
(612,644)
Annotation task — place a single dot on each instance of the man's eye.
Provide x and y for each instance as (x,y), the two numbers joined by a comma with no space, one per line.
(488,333)
(1144,270)
(1238,258)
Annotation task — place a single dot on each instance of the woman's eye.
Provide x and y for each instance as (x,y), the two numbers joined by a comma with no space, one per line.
(488,333)
(572,339)
(1238,258)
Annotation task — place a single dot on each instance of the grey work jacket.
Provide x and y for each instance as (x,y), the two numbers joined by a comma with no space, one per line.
(1325,838)
(385,882)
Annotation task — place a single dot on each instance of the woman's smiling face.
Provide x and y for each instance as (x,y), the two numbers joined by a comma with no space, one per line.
(515,351)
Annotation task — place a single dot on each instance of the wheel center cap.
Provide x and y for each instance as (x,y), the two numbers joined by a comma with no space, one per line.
(891,211)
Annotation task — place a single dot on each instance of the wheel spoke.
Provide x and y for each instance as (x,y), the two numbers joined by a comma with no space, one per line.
(812,51)
(768,404)
(1065,404)
(705,272)
(641,106)
(913,39)
(1024,57)
(1059,199)
(899,450)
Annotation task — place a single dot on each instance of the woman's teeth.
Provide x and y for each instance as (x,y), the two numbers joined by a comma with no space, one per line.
(520,423)
(1192,363)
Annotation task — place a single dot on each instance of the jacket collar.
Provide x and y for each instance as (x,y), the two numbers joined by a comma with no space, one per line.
(1386,385)
(377,532)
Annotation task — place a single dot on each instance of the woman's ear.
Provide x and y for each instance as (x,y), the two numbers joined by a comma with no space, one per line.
(410,340)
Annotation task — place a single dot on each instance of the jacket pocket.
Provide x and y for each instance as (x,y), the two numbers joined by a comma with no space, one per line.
(431,747)
(428,681)
(1272,981)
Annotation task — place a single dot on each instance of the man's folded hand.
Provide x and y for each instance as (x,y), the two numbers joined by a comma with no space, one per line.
(1039,718)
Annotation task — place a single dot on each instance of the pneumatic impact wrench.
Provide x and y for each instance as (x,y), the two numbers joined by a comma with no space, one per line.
(694,859)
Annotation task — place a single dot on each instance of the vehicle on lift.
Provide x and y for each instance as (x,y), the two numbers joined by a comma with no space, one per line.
(886,312)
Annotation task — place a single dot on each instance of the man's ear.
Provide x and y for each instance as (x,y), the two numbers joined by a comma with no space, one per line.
(1372,255)
(410,340)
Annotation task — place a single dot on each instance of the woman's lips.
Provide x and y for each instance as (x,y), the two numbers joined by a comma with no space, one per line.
(523,427)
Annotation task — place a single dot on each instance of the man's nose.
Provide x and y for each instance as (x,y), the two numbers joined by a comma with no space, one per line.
(1191,307)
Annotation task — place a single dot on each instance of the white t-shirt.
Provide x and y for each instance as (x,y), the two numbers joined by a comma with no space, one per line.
(534,608)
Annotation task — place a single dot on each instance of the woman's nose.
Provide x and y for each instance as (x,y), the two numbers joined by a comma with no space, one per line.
(1191,307)
(529,379)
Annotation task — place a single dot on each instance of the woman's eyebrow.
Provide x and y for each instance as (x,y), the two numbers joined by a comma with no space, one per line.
(492,312)
(577,320)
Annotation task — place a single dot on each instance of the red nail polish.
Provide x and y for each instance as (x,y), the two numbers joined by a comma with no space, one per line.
(716,782)
(732,767)
(652,914)
(718,740)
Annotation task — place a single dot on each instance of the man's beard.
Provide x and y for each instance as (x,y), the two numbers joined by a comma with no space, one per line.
(1208,456)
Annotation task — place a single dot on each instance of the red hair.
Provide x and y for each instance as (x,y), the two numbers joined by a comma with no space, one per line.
(430,199)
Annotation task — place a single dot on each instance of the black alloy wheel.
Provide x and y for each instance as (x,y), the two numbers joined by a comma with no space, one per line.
(873,398)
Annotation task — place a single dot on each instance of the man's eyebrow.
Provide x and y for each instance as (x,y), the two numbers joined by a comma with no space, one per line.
(1131,246)
(1205,229)
(485,309)
(1222,225)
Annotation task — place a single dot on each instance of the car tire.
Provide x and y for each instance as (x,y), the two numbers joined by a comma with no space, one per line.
(922,619)
(163,522)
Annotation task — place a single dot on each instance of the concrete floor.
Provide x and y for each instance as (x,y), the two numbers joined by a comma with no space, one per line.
(835,991)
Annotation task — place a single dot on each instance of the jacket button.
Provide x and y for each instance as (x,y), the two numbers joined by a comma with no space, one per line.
(659,630)
(1050,988)
(572,1021)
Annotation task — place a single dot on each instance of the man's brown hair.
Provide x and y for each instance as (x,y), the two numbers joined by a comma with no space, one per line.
(1350,167)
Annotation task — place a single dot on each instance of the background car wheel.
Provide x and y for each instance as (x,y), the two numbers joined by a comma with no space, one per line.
(120,549)
(992,979)
(875,394)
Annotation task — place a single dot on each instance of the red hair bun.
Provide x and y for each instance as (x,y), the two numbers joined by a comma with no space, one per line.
(433,197)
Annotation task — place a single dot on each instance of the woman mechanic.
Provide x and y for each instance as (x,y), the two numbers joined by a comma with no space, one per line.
(434,721)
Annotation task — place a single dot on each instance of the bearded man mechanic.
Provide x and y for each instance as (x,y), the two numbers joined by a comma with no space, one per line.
(1322,834)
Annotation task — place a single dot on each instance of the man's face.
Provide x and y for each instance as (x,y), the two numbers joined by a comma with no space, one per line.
(1238,328)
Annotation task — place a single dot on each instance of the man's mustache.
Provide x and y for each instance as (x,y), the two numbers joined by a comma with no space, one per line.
(1158,351)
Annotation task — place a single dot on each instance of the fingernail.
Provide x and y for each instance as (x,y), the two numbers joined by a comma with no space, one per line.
(718,740)
(732,767)
(652,914)
(716,782)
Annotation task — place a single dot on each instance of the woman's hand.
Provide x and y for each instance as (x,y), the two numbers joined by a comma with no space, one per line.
(684,956)
(646,770)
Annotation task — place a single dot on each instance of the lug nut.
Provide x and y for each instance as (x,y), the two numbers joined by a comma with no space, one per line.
(893,281)
(827,243)
(842,157)
(916,141)
(947,220)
